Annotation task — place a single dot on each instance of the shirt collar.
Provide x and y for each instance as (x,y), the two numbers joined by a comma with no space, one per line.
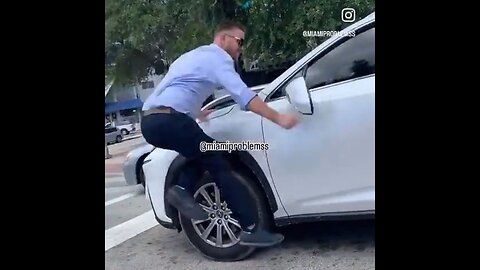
(219,48)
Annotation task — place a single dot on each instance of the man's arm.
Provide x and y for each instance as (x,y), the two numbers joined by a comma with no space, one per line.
(226,76)
(258,106)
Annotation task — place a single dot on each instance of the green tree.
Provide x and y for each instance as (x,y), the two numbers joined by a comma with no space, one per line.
(143,36)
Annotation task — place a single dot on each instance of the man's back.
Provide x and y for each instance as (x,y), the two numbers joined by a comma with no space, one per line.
(189,81)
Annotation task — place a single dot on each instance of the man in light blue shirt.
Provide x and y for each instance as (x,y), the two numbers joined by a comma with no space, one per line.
(169,123)
(194,76)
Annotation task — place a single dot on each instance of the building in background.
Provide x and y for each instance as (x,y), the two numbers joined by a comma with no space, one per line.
(123,103)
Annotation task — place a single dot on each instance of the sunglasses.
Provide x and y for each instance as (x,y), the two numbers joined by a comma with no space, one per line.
(239,40)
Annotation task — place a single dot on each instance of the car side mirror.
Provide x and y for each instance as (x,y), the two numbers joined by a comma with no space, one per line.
(299,96)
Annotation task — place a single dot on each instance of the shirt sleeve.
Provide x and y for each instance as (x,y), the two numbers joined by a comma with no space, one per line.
(226,76)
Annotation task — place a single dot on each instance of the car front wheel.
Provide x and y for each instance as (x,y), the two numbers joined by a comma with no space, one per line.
(217,237)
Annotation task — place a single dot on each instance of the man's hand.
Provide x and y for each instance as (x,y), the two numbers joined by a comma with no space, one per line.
(259,107)
(287,121)
(202,117)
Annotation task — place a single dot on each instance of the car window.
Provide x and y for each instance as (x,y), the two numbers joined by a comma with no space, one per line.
(225,104)
(351,59)
(110,130)
(229,101)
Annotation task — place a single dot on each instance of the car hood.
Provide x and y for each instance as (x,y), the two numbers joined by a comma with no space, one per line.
(141,149)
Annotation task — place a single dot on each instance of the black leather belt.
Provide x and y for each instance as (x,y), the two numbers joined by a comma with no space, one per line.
(161,109)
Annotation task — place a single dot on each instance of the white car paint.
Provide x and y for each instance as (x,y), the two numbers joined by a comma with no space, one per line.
(223,130)
(326,164)
(332,152)
(155,168)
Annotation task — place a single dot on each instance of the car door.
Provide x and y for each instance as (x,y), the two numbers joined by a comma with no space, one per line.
(326,164)
(110,134)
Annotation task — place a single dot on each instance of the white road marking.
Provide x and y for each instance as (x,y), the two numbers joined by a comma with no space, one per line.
(129,229)
(121,198)
(115,179)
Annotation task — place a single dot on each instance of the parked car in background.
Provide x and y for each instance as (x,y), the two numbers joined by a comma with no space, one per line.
(132,167)
(113,135)
(125,129)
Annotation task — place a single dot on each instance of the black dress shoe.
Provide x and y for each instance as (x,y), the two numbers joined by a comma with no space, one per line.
(260,238)
(185,203)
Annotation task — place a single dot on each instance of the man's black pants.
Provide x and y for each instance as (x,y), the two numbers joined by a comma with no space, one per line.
(179,132)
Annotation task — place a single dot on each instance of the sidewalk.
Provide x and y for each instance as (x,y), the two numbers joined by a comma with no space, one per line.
(128,143)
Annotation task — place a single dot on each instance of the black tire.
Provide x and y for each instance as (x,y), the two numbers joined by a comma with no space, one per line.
(141,177)
(235,252)
(124,132)
(119,139)
(139,170)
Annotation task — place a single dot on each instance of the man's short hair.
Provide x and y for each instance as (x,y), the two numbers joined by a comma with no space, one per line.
(229,25)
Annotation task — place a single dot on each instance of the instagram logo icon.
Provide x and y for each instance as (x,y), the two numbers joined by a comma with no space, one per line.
(348,15)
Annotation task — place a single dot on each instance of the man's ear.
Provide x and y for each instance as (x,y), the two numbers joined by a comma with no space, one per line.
(219,38)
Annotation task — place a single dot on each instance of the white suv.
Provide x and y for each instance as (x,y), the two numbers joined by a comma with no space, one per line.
(322,168)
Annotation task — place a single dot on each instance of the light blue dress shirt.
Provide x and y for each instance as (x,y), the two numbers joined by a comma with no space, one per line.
(194,76)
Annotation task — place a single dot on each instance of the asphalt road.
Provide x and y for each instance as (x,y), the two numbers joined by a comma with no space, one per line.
(136,241)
